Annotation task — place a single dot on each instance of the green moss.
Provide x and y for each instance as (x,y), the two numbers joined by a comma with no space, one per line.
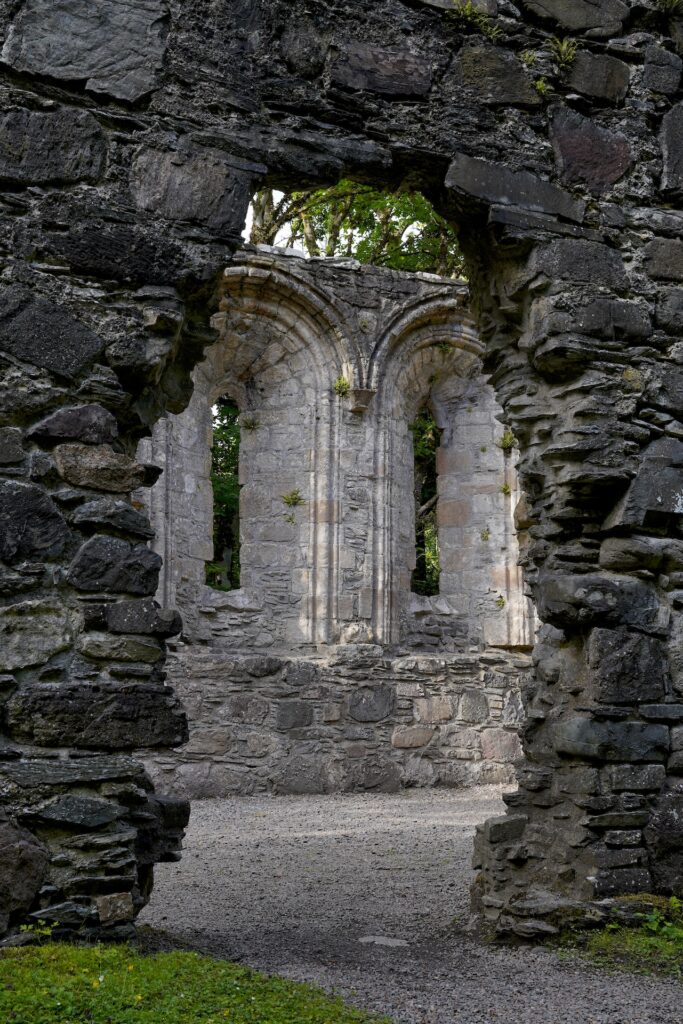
(293,498)
(467,16)
(64,984)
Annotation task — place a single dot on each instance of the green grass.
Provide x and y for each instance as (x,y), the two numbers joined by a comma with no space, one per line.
(654,946)
(65,984)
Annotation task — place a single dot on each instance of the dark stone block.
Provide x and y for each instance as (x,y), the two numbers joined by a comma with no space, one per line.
(97,717)
(77,811)
(496,77)
(303,49)
(23,867)
(611,741)
(644,779)
(573,259)
(587,153)
(670,302)
(91,424)
(30,525)
(202,186)
(599,17)
(45,334)
(656,492)
(107,563)
(120,251)
(599,76)
(372,703)
(622,881)
(626,667)
(144,617)
(115,514)
(599,600)
(42,148)
(664,839)
(262,666)
(664,256)
(390,72)
(114,48)
(11,446)
(672,152)
(293,714)
(497,184)
(32,773)
(662,71)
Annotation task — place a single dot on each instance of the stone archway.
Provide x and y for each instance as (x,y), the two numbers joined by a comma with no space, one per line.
(129,170)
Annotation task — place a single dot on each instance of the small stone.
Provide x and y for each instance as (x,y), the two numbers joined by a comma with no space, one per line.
(408,736)
(474,707)
(145,617)
(120,648)
(78,812)
(117,906)
(662,71)
(23,867)
(383,940)
(11,446)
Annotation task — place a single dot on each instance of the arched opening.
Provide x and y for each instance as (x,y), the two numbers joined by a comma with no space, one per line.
(426,575)
(223,571)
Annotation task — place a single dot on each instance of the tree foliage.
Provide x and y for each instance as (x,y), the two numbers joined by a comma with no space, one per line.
(399,230)
(224,571)
(426,439)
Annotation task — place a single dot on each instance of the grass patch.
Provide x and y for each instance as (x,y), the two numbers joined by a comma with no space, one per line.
(652,944)
(65,984)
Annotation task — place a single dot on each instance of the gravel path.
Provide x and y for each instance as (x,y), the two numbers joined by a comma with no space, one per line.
(292,885)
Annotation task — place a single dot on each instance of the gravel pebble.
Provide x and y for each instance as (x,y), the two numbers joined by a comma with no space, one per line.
(291,885)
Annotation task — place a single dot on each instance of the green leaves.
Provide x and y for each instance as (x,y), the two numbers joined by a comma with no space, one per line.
(399,230)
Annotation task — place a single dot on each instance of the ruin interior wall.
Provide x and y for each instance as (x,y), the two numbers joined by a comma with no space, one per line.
(133,137)
(361,683)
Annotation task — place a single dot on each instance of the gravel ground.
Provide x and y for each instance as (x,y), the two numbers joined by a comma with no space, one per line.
(293,885)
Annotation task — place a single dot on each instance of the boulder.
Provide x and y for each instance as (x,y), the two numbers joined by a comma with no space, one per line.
(57,147)
(91,424)
(372,703)
(99,467)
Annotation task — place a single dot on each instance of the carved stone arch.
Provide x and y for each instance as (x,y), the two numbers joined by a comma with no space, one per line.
(432,354)
(280,338)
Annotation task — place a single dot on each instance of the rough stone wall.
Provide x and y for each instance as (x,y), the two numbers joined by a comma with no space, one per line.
(130,148)
(335,571)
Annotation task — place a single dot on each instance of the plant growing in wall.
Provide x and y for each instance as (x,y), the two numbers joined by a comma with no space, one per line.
(467,16)
(341,387)
(564,51)
(507,442)
(293,498)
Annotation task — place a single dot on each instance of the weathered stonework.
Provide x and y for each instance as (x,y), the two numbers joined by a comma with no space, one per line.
(565,186)
(330,581)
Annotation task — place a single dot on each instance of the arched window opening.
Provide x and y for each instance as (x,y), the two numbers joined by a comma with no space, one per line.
(223,573)
(426,439)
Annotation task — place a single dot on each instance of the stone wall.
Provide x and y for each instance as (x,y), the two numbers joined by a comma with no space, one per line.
(330,579)
(131,145)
